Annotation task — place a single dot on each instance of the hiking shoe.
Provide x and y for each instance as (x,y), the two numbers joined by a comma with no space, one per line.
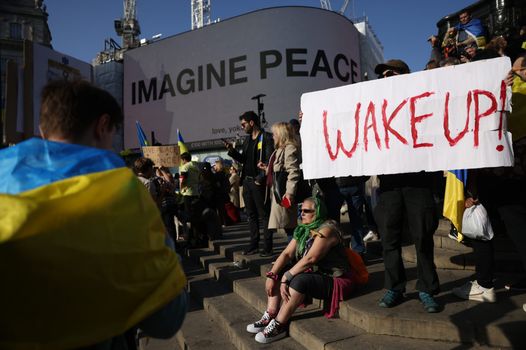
(260,325)
(391,298)
(272,332)
(471,290)
(519,286)
(371,236)
(429,302)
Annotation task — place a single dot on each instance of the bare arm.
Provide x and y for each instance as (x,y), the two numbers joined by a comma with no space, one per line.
(285,257)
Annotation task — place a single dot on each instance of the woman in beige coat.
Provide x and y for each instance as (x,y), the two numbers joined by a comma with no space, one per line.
(286,157)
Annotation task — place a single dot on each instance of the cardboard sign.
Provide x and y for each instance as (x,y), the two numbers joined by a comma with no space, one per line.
(166,156)
(442,119)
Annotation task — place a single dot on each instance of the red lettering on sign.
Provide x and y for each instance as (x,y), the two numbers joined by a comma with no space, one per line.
(418,119)
(478,115)
(339,143)
(453,140)
(366,127)
(387,123)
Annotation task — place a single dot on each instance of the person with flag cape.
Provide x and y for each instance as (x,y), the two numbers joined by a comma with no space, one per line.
(257,147)
(83,257)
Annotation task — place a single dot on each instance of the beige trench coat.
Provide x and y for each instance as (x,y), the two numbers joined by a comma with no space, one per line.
(287,159)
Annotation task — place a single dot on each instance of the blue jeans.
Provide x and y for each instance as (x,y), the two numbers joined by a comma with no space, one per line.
(355,199)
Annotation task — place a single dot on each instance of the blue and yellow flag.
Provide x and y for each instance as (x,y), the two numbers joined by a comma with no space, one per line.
(180,143)
(260,141)
(143,140)
(82,248)
(456,181)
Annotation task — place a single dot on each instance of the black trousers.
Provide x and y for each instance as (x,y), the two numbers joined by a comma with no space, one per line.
(484,261)
(168,211)
(254,197)
(417,206)
(505,201)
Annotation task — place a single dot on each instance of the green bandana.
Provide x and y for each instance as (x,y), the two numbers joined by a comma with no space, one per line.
(302,231)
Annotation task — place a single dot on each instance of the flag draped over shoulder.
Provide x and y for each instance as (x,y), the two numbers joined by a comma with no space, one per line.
(454,198)
(82,252)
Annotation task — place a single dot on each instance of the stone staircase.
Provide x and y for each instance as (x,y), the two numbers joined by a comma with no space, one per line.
(452,255)
(229,296)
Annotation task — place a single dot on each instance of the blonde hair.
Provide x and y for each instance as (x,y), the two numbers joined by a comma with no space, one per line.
(285,134)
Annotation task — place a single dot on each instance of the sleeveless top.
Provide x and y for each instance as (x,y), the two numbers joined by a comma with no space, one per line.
(334,263)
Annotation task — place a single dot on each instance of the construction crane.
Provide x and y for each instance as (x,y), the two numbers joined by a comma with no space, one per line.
(200,13)
(326,4)
(128,26)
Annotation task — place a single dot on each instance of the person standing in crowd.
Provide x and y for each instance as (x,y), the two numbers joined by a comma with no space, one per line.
(283,174)
(353,191)
(189,189)
(469,30)
(407,197)
(221,190)
(257,147)
(234,187)
(144,169)
(161,191)
(327,189)
(502,191)
(105,216)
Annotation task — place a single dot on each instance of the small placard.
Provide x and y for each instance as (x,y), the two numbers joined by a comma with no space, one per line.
(166,156)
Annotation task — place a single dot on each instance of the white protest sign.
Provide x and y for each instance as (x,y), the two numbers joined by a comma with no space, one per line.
(442,119)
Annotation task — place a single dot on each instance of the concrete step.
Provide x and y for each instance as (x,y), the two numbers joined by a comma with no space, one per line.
(199,332)
(496,325)
(461,321)
(314,331)
(230,315)
(196,324)
(308,327)
(411,321)
(457,260)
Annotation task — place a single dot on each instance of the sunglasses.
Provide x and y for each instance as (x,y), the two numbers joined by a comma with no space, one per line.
(388,73)
(307,211)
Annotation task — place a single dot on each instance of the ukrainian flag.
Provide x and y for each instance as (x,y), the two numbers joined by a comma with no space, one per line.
(260,141)
(180,143)
(456,181)
(143,140)
(82,248)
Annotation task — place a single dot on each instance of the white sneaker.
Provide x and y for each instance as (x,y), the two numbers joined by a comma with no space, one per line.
(371,236)
(273,331)
(524,307)
(344,209)
(473,291)
(260,325)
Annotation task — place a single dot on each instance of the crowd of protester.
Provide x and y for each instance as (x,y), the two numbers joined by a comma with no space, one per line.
(312,264)
(203,198)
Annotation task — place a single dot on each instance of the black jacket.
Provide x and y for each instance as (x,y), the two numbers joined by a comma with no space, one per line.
(267,147)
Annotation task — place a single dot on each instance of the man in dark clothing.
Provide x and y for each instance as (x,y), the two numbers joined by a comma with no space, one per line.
(407,197)
(257,146)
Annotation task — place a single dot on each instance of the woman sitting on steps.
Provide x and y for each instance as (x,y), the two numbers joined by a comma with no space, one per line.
(313,265)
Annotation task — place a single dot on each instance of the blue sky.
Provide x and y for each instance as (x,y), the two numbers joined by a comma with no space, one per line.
(78,28)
